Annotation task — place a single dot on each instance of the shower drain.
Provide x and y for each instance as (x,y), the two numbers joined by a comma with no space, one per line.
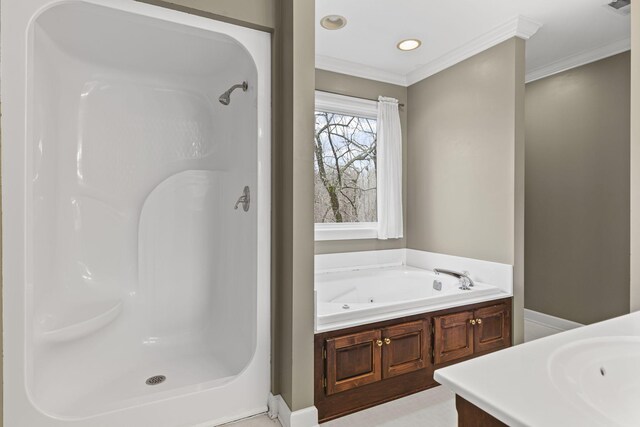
(155,380)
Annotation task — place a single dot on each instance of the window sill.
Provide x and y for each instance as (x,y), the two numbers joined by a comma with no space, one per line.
(346,231)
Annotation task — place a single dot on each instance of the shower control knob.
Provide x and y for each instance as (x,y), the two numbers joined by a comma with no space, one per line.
(244,200)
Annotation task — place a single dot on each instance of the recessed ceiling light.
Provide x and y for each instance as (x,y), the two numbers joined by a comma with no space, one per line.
(409,44)
(333,22)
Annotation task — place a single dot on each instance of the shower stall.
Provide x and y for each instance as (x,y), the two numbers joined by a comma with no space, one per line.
(136,194)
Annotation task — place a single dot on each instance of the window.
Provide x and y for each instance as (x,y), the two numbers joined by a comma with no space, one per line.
(345,199)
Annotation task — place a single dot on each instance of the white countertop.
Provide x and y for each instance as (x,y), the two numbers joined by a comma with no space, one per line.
(515,386)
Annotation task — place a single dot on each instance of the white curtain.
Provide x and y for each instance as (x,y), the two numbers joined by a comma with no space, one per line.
(389,169)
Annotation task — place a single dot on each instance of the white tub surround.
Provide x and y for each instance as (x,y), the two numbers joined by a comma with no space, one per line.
(134,293)
(365,287)
(589,376)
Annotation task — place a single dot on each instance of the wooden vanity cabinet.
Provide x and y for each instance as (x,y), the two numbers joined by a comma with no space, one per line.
(363,366)
(452,337)
(492,329)
(460,335)
(353,361)
(359,359)
(469,415)
(405,348)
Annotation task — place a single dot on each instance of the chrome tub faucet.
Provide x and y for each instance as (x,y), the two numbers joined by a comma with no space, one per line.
(466,283)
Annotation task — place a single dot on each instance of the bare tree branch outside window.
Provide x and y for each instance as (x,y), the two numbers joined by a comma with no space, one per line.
(345,168)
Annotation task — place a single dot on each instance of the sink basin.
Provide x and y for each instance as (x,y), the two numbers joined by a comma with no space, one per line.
(600,376)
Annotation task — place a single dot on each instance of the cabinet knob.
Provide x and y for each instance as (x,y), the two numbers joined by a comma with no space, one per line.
(379,343)
(387,341)
(473,321)
(479,321)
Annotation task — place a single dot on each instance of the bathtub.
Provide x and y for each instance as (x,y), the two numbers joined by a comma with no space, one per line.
(350,297)
(134,293)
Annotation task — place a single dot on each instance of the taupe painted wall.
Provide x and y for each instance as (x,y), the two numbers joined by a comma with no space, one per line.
(259,14)
(355,86)
(635,158)
(466,162)
(577,192)
(293,47)
(293,183)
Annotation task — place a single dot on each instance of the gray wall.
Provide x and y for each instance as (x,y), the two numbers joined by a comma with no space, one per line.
(355,86)
(293,47)
(635,158)
(293,204)
(577,192)
(466,162)
(259,14)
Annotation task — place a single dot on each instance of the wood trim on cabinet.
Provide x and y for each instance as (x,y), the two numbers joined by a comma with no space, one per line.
(406,348)
(492,329)
(469,415)
(453,336)
(353,361)
(331,406)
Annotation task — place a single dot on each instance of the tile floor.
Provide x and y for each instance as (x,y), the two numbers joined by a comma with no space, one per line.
(261,420)
(534,330)
(434,407)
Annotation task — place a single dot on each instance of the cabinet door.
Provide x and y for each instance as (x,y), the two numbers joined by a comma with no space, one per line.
(493,328)
(353,361)
(453,336)
(405,349)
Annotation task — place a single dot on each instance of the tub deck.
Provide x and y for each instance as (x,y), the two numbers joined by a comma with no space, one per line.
(351,298)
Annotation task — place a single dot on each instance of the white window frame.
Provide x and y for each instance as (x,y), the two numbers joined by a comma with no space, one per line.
(351,106)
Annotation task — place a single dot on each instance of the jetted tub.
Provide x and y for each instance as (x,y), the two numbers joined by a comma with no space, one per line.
(349,298)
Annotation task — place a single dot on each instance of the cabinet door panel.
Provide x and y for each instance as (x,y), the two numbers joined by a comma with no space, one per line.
(406,348)
(493,328)
(453,336)
(353,361)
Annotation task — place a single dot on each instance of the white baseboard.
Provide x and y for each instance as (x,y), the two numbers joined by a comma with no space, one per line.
(550,321)
(278,408)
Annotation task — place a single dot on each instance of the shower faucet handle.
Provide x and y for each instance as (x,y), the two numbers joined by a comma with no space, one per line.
(244,200)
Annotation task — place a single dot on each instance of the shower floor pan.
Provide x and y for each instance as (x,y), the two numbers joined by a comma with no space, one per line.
(129,388)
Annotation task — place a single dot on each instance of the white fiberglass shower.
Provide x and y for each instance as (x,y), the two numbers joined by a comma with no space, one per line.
(136,229)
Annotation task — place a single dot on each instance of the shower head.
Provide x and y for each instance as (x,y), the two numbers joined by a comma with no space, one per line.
(225,98)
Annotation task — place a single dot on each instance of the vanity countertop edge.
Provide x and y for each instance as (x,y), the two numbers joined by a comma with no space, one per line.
(514,384)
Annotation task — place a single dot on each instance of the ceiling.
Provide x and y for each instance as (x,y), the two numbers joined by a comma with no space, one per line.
(572,33)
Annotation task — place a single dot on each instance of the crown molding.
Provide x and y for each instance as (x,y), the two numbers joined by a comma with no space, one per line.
(579,59)
(359,70)
(519,26)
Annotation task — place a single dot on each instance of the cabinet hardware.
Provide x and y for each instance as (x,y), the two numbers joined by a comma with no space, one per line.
(379,343)
(479,321)
(387,341)
(472,321)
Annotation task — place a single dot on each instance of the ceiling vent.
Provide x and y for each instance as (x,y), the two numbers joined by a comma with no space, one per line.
(621,7)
